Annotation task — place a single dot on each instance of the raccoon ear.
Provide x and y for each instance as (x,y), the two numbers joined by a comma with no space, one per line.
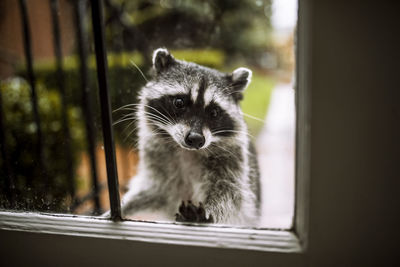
(240,79)
(162,59)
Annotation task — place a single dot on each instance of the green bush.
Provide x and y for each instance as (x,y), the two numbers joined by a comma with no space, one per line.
(210,58)
(21,137)
(124,82)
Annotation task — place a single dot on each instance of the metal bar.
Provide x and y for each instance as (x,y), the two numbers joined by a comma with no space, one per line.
(87,106)
(101,61)
(9,189)
(54,8)
(32,82)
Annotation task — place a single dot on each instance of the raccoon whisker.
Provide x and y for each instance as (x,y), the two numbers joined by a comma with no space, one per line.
(124,119)
(168,141)
(158,119)
(225,89)
(252,117)
(127,127)
(129,114)
(158,112)
(134,145)
(129,134)
(156,115)
(230,131)
(134,109)
(155,123)
(128,117)
(135,105)
(226,150)
(173,121)
(233,131)
(227,130)
(137,67)
(208,151)
(165,118)
(162,135)
(155,132)
(125,106)
(150,121)
(229,90)
(155,118)
(130,110)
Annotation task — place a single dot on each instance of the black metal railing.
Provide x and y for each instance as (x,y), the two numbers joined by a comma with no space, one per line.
(86,105)
(102,77)
(54,8)
(9,179)
(32,83)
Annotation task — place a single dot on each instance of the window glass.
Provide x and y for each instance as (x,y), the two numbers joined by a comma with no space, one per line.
(64,169)
(51,143)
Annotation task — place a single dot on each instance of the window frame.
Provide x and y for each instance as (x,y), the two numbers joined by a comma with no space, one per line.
(293,241)
(218,236)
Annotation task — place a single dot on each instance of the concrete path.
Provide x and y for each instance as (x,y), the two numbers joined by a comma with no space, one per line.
(276,152)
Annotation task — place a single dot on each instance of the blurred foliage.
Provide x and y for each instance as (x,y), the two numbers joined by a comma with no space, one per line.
(239,28)
(124,79)
(210,58)
(71,63)
(21,138)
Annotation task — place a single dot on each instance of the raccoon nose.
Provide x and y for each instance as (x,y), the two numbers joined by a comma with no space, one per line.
(195,140)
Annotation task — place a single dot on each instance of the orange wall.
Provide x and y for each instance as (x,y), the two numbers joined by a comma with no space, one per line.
(11,36)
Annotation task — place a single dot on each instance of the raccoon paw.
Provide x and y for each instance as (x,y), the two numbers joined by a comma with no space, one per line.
(192,213)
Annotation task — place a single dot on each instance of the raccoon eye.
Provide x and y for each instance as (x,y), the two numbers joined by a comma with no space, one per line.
(179,103)
(214,113)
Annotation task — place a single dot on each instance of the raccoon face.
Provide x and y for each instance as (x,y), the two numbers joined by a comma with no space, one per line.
(195,105)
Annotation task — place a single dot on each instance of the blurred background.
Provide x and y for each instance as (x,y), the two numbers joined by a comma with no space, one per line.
(52,156)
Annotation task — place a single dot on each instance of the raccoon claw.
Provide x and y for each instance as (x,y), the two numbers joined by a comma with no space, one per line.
(191,213)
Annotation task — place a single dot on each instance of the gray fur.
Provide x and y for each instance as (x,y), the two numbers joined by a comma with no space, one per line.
(223,174)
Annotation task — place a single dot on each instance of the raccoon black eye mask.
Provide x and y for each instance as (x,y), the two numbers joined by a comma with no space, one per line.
(196,163)
(181,109)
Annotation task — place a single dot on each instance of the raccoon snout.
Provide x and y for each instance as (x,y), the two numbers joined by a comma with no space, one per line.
(195,140)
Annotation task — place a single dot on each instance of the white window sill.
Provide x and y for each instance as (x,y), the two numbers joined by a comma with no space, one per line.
(166,233)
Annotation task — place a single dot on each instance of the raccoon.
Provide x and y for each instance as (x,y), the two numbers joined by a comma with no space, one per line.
(197,163)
